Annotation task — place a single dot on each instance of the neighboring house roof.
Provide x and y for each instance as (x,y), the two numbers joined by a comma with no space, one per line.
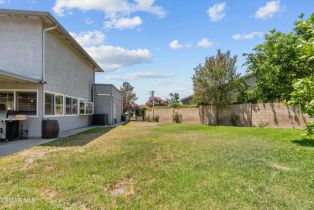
(51,21)
(186,98)
(8,76)
(114,87)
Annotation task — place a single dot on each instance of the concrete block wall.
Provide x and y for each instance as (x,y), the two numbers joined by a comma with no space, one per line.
(273,115)
(278,115)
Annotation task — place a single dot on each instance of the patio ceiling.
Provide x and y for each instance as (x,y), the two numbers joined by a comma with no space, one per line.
(9,78)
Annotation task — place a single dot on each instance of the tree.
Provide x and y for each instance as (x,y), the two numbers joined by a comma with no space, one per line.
(305,31)
(303,95)
(156,101)
(213,82)
(174,98)
(279,61)
(129,96)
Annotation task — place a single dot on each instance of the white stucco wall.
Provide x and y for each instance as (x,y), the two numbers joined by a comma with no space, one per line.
(108,100)
(33,123)
(21,46)
(67,73)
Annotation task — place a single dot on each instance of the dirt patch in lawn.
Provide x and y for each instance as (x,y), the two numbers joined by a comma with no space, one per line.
(31,156)
(123,187)
(280,166)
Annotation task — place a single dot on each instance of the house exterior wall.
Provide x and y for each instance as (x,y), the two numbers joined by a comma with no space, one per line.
(33,123)
(21,54)
(21,46)
(67,73)
(108,100)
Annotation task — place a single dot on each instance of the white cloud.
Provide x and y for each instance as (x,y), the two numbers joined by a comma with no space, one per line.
(217,12)
(140,75)
(269,10)
(4,1)
(162,83)
(249,36)
(110,57)
(176,45)
(89,38)
(122,23)
(110,7)
(205,43)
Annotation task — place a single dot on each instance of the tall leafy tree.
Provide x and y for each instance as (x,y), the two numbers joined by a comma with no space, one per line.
(303,95)
(305,31)
(213,81)
(279,61)
(174,98)
(129,96)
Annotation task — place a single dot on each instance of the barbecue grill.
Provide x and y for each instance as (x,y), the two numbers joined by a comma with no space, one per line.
(10,124)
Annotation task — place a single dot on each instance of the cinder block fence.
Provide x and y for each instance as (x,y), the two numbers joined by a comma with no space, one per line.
(274,115)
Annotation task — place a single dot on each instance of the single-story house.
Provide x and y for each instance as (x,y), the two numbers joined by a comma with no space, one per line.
(249,79)
(187,100)
(109,101)
(44,72)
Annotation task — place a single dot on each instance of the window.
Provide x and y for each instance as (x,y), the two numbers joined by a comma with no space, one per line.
(59,104)
(74,110)
(26,102)
(49,104)
(53,104)
(71,105)
(68,106)
(6,101)
(89,108)
(82,107)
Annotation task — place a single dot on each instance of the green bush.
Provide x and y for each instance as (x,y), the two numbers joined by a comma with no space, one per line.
(235,118)
(156,118)
(147,119)
(303,95)
(177,117)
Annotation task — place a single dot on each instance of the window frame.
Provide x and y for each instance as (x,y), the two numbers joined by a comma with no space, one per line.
(92,104)
(49,115)
(65,106)
(15,91)
(9,92)
(54,105)
(85,102)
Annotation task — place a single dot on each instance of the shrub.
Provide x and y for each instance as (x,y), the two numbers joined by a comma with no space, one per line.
(303,95)
(309,129)
(177,117)
(156,119)
(262,124)
(235,118)
(147,119)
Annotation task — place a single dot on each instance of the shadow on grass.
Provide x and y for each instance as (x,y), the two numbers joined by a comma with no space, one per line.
(79,139)
(304,142)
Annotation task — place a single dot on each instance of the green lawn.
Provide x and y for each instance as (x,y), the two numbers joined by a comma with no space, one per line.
(150,166)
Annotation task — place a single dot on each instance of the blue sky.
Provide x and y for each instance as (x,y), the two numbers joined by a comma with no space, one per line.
(155,44)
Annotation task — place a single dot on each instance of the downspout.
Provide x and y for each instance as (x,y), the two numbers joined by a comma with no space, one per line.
(43,81)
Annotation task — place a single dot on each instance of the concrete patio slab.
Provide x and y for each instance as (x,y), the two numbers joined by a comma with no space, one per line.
(12,147)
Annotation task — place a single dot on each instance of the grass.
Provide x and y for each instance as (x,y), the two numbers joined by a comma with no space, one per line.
(164,166)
